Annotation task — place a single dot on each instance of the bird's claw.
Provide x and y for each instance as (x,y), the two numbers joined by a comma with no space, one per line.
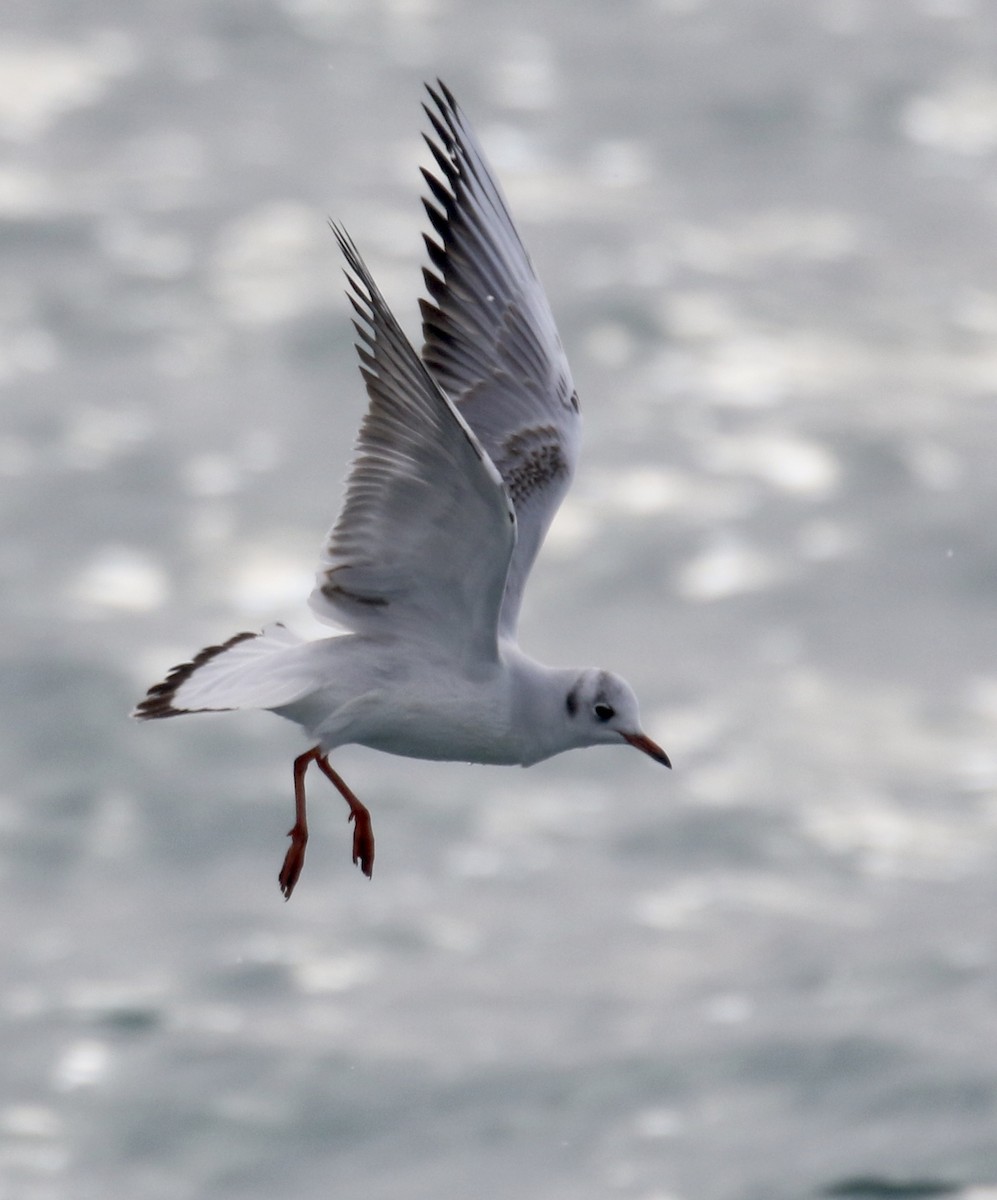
(294,860)
(363,840)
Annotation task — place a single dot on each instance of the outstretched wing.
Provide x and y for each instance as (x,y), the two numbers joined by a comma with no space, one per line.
(491,342)
(423,542)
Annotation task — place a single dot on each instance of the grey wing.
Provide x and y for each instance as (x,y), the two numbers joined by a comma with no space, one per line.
(490,339)
(422,546)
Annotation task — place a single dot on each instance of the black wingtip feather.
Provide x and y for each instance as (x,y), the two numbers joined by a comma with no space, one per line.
(437,255)
(444,101)
(428,310)
(448,94)
(443,132)
(441,193)
(439,220)
(434,285)
(443,160)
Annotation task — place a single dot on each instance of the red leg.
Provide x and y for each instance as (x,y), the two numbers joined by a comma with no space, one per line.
(294,860)
(363,833)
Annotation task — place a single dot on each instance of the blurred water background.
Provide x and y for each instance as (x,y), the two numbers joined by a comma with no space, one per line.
(769,233)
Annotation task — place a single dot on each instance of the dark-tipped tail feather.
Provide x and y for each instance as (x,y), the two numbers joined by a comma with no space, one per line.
(159,699)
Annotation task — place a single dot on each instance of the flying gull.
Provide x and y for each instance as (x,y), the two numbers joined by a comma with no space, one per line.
(463,457)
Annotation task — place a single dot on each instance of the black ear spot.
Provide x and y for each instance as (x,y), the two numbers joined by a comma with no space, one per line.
(604,711)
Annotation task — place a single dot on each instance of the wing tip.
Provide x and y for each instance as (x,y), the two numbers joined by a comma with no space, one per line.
(441,94)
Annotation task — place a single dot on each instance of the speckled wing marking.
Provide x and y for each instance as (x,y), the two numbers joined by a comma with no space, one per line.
(423,544)
(490,338)
(531,462)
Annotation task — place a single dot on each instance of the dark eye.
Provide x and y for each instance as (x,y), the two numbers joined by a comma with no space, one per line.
(604,711)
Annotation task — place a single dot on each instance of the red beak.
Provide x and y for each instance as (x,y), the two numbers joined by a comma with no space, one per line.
(641,741)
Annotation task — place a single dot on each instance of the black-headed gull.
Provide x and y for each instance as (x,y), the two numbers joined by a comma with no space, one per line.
(461,462)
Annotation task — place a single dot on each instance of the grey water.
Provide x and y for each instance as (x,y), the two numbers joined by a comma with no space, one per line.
(769,233)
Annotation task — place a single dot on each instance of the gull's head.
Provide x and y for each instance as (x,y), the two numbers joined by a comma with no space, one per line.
(601,710)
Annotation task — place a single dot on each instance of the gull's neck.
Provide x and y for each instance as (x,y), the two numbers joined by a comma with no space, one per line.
(538,698)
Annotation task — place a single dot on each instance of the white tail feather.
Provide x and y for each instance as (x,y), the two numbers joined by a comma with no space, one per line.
(249,671)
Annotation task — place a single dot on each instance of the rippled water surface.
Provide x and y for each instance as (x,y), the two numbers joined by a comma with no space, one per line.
(768,232)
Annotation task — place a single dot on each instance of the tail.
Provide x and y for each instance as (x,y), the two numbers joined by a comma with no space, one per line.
(250,670)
